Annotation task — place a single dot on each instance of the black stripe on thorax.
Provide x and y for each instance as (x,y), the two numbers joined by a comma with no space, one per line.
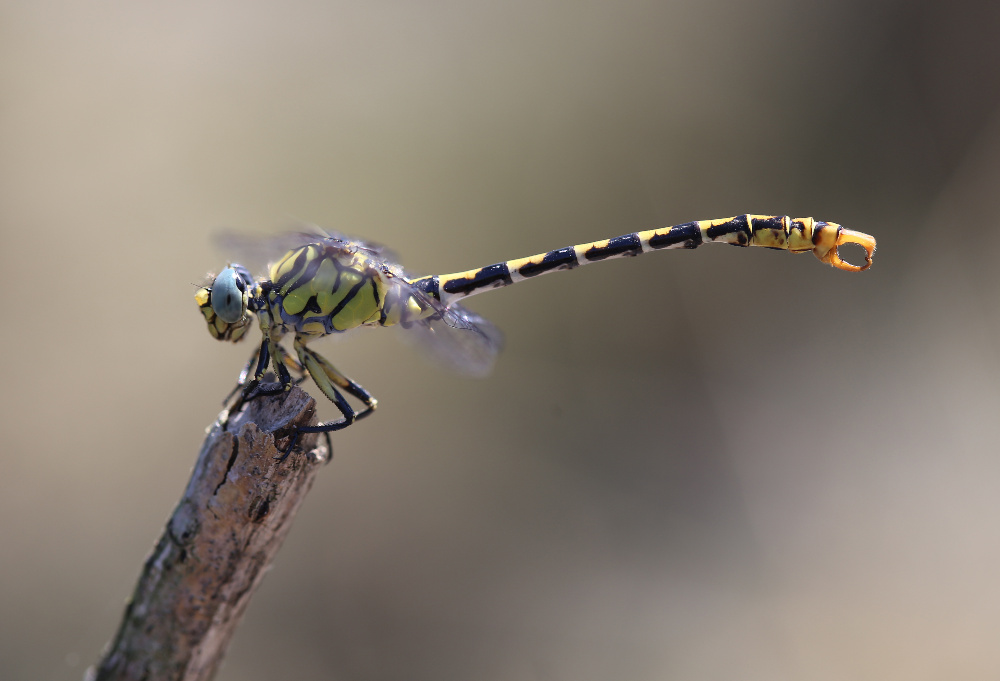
(348,298)
(688,234)
(293,271)
(312,305)
(491,276)
(627,245)
(563,258)
(304,275)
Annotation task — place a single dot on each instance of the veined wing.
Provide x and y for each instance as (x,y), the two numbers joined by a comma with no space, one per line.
(258,252)
(453,337)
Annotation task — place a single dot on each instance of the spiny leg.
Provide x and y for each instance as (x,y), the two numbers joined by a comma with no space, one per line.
(326,376)
(286,358)
(329,379)
(254,388)
(270,353)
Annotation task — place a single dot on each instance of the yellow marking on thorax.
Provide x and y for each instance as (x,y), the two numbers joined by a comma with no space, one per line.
(359,309)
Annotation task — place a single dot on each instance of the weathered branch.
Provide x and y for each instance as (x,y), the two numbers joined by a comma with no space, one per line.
(227,528)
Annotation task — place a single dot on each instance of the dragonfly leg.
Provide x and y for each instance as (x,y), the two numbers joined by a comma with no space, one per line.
(281,362)
(255,388)
(252,389)
(330,381)
(287,359)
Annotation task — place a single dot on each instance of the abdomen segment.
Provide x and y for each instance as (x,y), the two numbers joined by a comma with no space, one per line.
(781,232)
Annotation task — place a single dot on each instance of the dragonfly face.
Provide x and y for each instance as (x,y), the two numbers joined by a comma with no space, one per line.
(224,304)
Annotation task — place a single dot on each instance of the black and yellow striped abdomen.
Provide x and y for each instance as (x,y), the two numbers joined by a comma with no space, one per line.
(780,232)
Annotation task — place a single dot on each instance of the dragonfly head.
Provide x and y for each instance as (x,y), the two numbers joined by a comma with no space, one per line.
(224,303)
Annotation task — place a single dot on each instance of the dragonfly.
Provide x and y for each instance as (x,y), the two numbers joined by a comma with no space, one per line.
(328,284)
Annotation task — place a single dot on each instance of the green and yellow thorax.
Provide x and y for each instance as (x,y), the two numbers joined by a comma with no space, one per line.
(321,289)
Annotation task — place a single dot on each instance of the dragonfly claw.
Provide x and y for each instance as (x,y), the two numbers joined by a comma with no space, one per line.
(849,236)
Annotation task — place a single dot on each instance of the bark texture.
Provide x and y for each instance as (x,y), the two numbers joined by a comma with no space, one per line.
(231,521)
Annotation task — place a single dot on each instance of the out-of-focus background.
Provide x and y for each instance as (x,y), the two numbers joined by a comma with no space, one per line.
(716,464)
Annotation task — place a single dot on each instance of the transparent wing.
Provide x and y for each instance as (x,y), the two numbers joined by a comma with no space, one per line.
(374,250)
(461,341)
(452,337)
(257,252)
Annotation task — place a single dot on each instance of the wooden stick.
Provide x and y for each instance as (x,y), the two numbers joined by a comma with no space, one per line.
(217,545)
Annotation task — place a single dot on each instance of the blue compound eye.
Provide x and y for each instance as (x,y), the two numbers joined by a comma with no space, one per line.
(229,296)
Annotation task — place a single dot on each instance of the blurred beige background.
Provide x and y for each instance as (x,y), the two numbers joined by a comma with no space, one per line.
(718,464)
